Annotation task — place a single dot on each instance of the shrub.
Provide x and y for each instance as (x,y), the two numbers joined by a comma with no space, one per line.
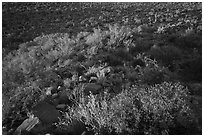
(151,73)
(94,38)
(108,58)
(189,41)
(138,110)
(123,54)
(166,54)
(28,71)
(140,46)
(191,69)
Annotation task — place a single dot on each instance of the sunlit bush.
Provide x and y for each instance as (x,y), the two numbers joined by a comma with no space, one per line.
(139,110)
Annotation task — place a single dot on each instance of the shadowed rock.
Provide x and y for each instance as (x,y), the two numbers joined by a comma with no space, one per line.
(76,127)
(46,112)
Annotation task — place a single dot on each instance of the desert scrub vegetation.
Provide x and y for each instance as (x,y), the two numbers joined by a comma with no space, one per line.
(102,82)
(141,109)
(110,78)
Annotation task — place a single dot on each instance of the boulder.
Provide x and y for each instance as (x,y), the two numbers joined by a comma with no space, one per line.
(50,100)
(76,127)
(42,129)
(46,112)
(27,125)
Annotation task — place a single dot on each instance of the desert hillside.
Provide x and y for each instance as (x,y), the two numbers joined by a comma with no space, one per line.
(102,68)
